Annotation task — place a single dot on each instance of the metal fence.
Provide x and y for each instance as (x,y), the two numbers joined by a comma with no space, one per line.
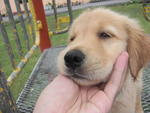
(22,35)
(17,43)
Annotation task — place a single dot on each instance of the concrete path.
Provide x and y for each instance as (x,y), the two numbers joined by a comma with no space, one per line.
(82,6)
(88,5)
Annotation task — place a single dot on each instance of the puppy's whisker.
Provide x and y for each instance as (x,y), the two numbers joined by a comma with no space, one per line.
(92,69)
(93,65)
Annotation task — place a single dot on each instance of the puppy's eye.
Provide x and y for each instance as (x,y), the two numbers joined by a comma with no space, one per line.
(72,38)
(103,35)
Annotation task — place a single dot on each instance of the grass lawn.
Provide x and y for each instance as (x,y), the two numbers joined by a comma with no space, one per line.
(18,84)
(132,10)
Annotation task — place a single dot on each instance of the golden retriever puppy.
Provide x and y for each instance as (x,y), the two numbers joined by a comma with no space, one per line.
(97,37)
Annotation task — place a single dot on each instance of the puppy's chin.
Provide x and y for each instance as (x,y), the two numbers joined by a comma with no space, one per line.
(85,82)
(89,79)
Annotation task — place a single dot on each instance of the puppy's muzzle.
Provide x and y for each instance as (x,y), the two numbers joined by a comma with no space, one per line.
(74,59)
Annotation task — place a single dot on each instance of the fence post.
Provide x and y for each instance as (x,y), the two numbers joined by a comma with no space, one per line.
(70,11)
(55,12)
(7,43)
(40,17)
(12,21)
(7,104)
(22,23)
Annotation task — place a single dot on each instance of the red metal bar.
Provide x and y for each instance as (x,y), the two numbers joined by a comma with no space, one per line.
(40,16)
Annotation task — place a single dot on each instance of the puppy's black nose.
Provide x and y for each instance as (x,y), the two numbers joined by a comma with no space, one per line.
(74,59)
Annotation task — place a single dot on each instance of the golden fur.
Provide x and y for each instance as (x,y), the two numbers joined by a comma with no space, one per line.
(101,53)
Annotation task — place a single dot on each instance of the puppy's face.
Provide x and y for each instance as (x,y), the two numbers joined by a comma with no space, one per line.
(97,38)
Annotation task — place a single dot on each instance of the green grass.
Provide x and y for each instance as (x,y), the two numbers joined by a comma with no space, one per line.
(133,11)
(18,84)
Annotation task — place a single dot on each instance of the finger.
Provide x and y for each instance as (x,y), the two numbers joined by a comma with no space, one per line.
(117,77)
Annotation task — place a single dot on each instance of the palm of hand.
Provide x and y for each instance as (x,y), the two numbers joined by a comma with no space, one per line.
(87,101)
(77,99)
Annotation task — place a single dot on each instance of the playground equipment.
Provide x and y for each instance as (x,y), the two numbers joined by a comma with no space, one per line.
(62,19)
(146,9)
(45,69)
(7,105)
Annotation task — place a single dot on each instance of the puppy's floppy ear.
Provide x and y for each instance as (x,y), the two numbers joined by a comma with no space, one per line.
(138,49)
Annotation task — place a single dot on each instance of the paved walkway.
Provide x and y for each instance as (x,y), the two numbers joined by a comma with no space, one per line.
(82,6)
(88,5)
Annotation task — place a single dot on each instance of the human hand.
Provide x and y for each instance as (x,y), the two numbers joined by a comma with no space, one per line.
(62,95)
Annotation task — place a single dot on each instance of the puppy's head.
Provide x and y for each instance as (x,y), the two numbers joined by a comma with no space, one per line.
(97,37)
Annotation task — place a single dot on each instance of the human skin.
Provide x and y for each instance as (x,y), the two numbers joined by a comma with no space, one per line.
(63,95)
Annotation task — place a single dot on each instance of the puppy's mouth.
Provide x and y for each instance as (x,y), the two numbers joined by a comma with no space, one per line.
(78,76)
(73,74)
(85,78)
